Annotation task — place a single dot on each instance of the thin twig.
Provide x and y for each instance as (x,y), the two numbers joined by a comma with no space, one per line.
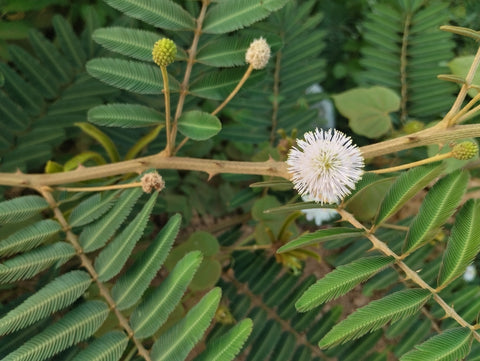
(85,261)
(410,274)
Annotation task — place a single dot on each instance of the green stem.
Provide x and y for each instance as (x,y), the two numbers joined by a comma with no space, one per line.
(435,158)
(168,128)
(234,91)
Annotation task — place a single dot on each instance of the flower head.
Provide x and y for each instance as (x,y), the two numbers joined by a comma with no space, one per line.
(465,150)
(258,53)
(326,165)
(151,181)
(164,52)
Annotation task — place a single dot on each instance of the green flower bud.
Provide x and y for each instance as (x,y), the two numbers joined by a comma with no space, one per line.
(465,150)
(164,52)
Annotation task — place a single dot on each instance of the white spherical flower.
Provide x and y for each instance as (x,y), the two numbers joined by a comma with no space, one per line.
(258,53)
(326,165)
(318,215)
(470,273)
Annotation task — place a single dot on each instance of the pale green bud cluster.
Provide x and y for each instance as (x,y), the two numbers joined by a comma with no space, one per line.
(164,52)
(465,150)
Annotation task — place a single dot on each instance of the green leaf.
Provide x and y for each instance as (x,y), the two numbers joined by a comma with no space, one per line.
(230,51)
(113,257)
(176,342)
(163,14)
(135,43)
(102,138)
(459,66)
(376,314)
(322,235)
(130,287)
(463,244)
(92,208)
(29,237)
(340,281)
(27,265)
(198,125)
(217,85)
(451,345)
(68,41)
(227,346)
(439,204)
(292,207)
(230,15)
(109,347)
(404,188)
(82,159)
(125,116)
(56,295)
(367,109)
(152,313)
(129,75)
(365,202)
(75,326)
(97,234)
(19,209)
(143,142)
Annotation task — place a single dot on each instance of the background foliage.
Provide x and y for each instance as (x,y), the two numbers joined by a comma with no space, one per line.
(192,272)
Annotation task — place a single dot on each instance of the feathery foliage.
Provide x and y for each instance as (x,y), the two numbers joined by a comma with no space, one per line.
(376,314)
(56,295)
(439,204)
(340,281)
(453,344)
(404,188)
(130,287)
(75,326)
(463,244)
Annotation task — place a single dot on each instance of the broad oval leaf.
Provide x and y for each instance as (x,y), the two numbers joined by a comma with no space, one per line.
(164,14)
(131,285)
(321,235)
(75,326)
(151,314)
(340,281)
(439,204)
(367,109)
(463,244)
(376,314)
(198,125)
(460,65)
(230,15)
(130,75)
(451,345)
(19,209)
(125,116)
(177,342)
(404,188)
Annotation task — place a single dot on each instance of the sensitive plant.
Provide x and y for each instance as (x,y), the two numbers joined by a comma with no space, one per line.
(83,233)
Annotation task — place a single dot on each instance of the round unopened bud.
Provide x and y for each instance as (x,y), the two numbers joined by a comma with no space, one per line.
(151,181)
(258,53)
(465,150)
(164,52)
